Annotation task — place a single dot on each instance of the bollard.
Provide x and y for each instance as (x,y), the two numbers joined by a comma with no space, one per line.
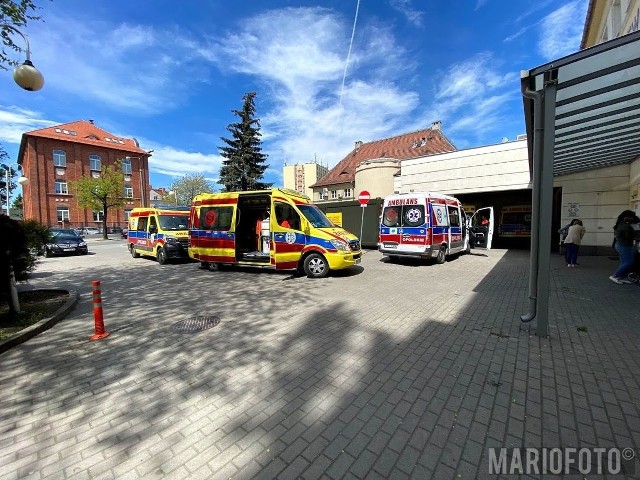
(97,312)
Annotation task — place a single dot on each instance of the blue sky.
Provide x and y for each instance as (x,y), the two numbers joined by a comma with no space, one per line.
(170,76)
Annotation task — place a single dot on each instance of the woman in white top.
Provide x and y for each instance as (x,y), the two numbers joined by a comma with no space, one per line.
(572,242)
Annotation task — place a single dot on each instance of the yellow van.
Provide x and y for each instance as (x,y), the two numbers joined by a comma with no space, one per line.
(278,229)
(159,232)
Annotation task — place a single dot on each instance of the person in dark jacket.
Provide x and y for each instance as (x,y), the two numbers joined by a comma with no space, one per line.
(624,237)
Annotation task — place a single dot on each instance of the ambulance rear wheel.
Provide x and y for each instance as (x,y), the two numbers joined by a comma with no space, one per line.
(132,249)
(162,256)
(316,266)
(442,255)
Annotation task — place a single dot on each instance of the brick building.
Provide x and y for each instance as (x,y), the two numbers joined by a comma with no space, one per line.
(53,157)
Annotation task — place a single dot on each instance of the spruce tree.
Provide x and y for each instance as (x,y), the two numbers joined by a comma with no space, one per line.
(244,164)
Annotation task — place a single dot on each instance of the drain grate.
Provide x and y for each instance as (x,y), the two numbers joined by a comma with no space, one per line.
(195,324)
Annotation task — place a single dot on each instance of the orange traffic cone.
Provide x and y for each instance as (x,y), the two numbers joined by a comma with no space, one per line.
(97,312)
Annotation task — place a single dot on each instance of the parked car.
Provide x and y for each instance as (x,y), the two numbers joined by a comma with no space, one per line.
(124,232)
(65,243)
(114,230)
(91,231)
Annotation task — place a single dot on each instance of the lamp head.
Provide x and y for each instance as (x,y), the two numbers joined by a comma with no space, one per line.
(28,77)
(24,181)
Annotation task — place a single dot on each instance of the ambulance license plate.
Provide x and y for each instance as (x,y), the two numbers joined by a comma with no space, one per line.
(390,245)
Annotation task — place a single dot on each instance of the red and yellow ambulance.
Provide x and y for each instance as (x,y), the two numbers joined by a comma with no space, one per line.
(277,229)
(159,232)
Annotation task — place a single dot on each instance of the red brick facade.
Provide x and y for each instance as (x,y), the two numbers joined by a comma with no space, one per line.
(42,203)
(78,141)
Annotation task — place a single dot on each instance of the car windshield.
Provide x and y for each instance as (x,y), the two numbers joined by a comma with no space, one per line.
(173,222)
(67,237)
(57,233)
(315,217)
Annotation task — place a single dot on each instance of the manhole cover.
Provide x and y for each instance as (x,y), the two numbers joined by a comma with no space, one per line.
(195,324)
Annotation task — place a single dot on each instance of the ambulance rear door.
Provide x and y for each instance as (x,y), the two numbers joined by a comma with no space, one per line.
(481,228)
(214,238)
(288,237)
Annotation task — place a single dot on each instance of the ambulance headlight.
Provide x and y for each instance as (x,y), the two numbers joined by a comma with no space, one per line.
(340,245)
(171,239)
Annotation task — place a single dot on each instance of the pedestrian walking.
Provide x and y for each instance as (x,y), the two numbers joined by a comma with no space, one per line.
(572,241)
(623,243)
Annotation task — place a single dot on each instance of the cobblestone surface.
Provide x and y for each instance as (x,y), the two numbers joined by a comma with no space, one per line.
(403,370)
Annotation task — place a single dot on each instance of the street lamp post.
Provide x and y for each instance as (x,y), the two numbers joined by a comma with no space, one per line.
(26,75)
(7,176)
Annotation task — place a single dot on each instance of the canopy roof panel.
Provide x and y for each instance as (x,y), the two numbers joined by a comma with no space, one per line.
(597,106)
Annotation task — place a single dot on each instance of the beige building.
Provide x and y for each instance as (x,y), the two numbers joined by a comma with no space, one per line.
(301,176)
(607,19)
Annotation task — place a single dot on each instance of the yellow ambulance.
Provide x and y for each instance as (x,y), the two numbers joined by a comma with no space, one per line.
(159,232)
(277,229)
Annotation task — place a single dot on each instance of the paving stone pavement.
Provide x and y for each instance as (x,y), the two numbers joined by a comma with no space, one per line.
(393,371)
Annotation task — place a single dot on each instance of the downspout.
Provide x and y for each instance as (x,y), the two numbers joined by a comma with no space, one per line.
(538,132)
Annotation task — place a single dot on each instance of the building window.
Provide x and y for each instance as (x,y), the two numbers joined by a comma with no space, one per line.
(126,166)
(61,187)
(59,158)
(95,164)
(63,214)
(128,191)
(98,216)
(347,193)
(127,214)
(334,194)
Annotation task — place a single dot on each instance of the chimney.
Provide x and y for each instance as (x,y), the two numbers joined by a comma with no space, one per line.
(437,125)
(91,121)
(358,145)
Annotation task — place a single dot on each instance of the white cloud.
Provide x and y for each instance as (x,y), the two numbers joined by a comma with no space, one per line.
(414,16)
(475,99)
(299,54)
(124,67)
(168,160)
(15,121)
(480,4)
(561,30)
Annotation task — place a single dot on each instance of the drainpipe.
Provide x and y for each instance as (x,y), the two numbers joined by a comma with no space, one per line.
(538,133)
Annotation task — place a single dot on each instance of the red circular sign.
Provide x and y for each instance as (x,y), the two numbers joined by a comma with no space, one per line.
(363,197)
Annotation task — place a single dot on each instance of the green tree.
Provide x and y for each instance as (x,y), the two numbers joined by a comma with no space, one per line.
(15,14)
(17,209)
(244,164)
(186,188)
(102,193)
(19,243)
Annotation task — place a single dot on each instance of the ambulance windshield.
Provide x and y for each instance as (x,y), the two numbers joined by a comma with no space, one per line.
(173,222)
(315,217)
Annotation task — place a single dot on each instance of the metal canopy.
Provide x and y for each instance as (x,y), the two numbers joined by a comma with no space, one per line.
(597,106)
(581,112)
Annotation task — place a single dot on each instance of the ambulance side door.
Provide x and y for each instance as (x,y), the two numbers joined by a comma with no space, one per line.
(216,238)
(152,234)
(141,234)
(288,237)
(481,228)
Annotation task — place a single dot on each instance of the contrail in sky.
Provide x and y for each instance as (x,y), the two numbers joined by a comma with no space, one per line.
(346,65)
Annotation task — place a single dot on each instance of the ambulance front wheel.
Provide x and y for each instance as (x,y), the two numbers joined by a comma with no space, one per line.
(162,256)
(132,249)
(442,255)
(316,266)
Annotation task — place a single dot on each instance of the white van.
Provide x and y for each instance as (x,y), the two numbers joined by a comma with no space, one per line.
(431,225)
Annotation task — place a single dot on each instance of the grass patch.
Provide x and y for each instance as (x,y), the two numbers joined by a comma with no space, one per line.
(34,306)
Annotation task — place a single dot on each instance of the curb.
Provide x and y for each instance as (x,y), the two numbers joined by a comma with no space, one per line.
(44,324)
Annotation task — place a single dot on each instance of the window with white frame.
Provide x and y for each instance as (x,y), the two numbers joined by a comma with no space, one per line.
(128,191)
(127,214)
(98,216)
(95,164)
(63,213)
(347,193)
(59,158)
(334,194)
(126,166)
(61,187)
